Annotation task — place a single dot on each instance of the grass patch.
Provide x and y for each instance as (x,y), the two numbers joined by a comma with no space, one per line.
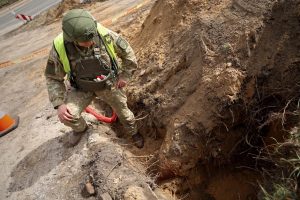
(282,182)
(4,3)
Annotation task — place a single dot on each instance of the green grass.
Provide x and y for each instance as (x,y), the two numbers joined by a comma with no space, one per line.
(279,192)
(4,3)
(282,182)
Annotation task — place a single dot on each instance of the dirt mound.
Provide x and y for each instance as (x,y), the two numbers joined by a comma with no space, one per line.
(116,172)
(212,76)
(189,74)
(56,13)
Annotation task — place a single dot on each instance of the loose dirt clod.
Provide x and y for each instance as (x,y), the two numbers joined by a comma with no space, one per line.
(90,188)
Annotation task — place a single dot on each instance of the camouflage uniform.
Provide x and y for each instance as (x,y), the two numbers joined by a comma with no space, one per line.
(77,100)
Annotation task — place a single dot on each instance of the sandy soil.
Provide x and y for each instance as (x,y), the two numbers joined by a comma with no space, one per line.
(212,86)
(34,162)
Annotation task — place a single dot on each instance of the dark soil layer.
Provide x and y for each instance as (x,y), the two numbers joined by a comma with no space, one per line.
(271,88)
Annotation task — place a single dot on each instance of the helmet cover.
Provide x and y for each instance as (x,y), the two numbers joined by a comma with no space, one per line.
(79,25)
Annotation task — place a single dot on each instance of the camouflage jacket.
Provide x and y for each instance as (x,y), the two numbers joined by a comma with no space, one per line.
(55,74)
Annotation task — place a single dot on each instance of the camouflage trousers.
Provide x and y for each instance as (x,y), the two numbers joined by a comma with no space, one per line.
(77,101)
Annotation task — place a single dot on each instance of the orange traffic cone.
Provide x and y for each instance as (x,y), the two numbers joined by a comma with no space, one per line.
(7,123)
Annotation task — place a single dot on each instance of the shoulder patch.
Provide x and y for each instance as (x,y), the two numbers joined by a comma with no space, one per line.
(108,38)
(123,44)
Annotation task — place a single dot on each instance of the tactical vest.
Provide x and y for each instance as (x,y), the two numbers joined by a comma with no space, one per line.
(87,78)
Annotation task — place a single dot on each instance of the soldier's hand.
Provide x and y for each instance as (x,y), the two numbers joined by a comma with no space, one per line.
(121,83)
(64,113)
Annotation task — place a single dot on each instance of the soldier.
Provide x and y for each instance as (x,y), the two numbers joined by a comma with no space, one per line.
(87,53)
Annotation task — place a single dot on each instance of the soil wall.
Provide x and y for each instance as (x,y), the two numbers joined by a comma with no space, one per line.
(217,80)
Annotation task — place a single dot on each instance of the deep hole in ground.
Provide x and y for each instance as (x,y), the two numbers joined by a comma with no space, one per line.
(219,85)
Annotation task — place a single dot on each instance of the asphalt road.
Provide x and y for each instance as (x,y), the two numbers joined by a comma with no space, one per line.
(8,21)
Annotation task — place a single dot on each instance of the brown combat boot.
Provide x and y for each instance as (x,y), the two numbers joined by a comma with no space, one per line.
(74,137)
(138,140)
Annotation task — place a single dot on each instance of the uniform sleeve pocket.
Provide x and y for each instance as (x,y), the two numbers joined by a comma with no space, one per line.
(50,68)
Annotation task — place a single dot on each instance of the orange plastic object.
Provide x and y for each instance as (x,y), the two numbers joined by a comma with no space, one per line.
(6,122)
(100,117)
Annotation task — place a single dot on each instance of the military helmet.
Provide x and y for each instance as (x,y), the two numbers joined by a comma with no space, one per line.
(79,25)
